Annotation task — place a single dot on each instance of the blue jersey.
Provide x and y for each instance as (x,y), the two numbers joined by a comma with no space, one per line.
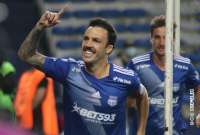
(92,106)
(185,77)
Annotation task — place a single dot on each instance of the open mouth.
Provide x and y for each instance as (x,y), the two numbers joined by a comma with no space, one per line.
(88,51)
(161,49)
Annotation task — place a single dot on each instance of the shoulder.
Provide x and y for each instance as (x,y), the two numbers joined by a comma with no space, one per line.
(182,63)
(64,61)
(75,62)
(122,71)
(140,59)
(123,75)
(182,59)
(126,77)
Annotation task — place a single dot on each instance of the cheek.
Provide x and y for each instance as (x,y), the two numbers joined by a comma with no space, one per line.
(98,47)
(156,43)
(101,51)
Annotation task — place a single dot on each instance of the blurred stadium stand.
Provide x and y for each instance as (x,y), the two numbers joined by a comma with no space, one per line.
(21,17)
(131,19)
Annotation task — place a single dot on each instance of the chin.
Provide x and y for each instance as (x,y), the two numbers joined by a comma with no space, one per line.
(160,54)
(87,61)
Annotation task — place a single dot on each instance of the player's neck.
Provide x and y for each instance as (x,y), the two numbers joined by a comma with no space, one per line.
(159,61)
(99,70)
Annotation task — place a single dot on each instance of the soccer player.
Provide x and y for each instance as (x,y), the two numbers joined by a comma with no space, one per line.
(151,70)
(95,90)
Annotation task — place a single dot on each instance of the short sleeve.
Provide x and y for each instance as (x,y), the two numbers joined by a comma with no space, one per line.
(56,68)
(135,87)
(192,77)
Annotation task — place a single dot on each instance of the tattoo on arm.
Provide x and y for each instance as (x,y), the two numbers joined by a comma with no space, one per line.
(28,49)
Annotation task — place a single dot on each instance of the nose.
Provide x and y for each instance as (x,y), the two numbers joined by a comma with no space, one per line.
(162,41)
(87,43)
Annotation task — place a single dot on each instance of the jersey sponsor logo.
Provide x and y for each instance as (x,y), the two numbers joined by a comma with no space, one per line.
(176,86)
(93,116)
(161,101)
(112,101)
(74,69)
(121,80)
(180,66)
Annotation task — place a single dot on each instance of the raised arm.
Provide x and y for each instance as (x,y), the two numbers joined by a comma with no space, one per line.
(28,49)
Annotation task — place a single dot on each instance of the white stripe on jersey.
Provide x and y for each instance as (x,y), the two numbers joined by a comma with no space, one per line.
(122,69)
(72,60)
(147,59)
(182,59)
(141,58)
(126,73)
(80,62)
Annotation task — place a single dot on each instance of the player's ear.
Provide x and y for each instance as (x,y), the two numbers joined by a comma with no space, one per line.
(109,49)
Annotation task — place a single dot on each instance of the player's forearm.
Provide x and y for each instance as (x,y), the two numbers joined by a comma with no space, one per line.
(28,49)
(143,110)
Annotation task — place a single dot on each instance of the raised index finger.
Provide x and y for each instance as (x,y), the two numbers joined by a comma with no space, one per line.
(62,11)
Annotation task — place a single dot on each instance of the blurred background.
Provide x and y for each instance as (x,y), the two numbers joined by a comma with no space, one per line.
(131,18)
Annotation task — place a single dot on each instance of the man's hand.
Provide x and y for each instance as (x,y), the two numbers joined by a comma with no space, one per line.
(49,19)
(198,120)
(28,49)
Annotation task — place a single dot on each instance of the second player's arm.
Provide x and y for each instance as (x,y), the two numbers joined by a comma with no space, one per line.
(143,111)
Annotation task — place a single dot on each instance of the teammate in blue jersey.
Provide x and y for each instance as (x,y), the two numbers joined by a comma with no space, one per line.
(95,90)
(151,70)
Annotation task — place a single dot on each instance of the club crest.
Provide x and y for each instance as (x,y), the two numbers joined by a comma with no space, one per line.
(112,101)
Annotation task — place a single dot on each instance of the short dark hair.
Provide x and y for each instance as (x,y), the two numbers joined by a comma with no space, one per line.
(101,22)
(159,21)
